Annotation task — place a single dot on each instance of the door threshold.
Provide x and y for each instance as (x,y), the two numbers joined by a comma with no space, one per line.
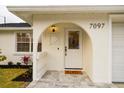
(73,72)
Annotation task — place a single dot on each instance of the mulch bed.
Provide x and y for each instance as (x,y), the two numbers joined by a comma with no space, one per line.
(15,66)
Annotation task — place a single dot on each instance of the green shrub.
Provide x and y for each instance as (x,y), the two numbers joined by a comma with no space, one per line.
(10,63)
(18,63)
(2,58)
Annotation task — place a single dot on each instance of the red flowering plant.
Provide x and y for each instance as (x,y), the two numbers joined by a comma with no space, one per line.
(26,59)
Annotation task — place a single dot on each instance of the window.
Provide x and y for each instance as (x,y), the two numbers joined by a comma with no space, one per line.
(73,39)
(24,42)
(39,47)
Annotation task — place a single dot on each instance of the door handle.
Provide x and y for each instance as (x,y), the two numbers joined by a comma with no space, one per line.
(65,50)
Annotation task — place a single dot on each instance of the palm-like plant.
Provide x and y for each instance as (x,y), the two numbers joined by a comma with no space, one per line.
(26,59)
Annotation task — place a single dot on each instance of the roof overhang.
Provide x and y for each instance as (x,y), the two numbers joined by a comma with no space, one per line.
(26,12)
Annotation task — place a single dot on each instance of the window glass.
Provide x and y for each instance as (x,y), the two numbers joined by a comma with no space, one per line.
(39,47)
(24,41)
(73,40)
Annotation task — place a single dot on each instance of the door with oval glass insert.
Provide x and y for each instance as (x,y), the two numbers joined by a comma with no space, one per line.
(73,49)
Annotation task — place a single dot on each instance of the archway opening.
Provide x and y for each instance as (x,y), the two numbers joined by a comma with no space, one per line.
(67,47)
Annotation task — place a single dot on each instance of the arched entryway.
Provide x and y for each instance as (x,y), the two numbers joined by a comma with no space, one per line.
(65,47)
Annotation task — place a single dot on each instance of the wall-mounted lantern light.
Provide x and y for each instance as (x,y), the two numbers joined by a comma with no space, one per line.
(53,28)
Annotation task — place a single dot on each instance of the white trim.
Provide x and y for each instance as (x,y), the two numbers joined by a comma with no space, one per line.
(15,33)
(23,53)
(16,28)
(64,30)
(26,12)
(30,43)
(15,49)
(67,9)
(117,17)
(110,51)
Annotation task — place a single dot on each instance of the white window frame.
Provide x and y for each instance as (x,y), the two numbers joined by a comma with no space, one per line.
(17,52)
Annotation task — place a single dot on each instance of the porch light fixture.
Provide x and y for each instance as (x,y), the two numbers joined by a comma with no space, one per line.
(53,28)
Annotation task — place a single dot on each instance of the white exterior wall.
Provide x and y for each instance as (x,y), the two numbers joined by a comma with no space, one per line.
(8,46)
(55,57)
(99,37)
(87,55)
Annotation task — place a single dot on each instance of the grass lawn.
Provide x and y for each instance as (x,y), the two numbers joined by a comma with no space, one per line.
(8,74)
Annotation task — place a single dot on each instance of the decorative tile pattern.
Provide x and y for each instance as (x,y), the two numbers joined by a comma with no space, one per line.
(57,79)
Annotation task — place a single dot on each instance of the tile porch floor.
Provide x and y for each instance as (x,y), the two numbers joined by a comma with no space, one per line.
(57,79)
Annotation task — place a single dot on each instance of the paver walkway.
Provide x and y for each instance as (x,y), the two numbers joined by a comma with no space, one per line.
(56,79)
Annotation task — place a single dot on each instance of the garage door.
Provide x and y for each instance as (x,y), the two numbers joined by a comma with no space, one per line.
(118,52)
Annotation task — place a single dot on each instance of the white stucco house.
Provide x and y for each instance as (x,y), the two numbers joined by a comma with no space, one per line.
(72,38)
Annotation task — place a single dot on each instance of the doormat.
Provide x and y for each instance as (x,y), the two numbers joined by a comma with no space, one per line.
(73,72)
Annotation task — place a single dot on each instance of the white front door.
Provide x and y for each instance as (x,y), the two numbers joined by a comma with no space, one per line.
(73,49)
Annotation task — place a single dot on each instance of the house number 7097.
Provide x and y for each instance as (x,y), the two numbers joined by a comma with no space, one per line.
(97,25)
